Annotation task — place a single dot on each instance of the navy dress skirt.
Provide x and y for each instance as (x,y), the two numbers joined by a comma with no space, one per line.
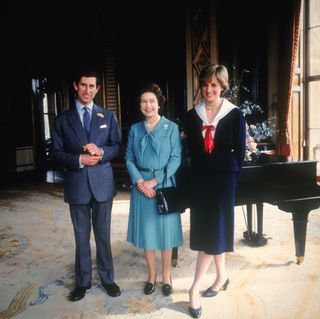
(212,215)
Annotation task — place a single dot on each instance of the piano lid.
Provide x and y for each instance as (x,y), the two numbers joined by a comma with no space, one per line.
(275,181)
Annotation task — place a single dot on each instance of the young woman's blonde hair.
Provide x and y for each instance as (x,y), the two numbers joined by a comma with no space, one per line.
(219,71)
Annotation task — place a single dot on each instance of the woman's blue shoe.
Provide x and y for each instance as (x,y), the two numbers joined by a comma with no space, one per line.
(211,293)
(195,313)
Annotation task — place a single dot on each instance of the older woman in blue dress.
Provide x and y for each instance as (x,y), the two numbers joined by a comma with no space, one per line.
(153,147)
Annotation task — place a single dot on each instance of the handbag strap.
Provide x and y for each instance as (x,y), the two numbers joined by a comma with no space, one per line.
(165,177)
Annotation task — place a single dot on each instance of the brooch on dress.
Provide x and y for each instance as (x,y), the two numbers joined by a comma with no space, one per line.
(165,126)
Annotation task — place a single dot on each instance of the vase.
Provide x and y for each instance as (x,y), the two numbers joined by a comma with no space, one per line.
(266,147)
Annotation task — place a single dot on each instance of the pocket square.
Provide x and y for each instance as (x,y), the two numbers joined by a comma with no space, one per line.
(103,126)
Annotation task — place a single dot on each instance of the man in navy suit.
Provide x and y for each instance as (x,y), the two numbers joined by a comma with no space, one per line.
(85,139)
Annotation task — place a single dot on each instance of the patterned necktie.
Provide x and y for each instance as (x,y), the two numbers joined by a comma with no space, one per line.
(86,121)
(208,140)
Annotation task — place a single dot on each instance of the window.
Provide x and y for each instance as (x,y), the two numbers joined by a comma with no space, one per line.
(312,78)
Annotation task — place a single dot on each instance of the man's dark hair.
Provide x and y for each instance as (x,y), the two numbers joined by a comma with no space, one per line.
(87,72)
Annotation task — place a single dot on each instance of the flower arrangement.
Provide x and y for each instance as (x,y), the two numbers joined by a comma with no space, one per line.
(251,147)
(257,130)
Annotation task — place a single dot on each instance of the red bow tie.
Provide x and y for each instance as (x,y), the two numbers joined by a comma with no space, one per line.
(208,140)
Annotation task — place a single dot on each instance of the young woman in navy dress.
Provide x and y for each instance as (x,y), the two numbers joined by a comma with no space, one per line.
(215,130)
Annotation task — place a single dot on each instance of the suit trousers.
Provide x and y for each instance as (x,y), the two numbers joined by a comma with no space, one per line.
(99,214)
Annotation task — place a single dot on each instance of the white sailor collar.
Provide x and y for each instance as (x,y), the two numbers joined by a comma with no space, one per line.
(226,107)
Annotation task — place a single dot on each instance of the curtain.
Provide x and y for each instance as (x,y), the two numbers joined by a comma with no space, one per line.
(288,50)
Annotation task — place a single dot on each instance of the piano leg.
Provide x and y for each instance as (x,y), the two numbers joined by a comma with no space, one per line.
(256,239)
(299,209)
(174,257)
(300,220)
(248,234)
(261,239)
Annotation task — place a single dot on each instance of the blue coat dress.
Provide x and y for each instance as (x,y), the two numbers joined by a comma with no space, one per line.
(157,149)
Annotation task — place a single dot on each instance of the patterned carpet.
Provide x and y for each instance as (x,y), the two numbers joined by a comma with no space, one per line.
(37,255)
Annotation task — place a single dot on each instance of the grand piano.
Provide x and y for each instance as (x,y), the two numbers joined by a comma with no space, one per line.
(292,186)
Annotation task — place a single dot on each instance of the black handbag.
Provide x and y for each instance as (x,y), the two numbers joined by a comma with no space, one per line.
(169,199)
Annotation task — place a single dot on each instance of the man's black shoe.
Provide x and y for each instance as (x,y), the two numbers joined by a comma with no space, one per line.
(78,293)
(113,289)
